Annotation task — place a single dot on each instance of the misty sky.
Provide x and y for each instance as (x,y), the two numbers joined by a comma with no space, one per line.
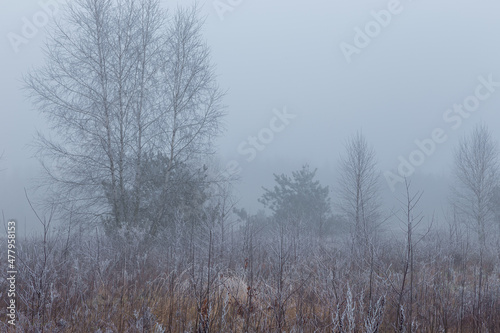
(286,54)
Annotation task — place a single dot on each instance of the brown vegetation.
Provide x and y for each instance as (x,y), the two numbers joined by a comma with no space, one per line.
(96,284)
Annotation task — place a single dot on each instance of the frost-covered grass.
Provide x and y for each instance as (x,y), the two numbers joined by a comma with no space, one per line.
(93,283)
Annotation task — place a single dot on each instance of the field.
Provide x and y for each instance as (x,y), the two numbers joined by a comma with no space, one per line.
(253,279)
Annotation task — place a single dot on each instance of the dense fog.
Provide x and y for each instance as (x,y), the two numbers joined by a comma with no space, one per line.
(235,166)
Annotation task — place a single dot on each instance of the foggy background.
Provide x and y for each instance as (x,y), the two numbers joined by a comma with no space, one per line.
(272,55)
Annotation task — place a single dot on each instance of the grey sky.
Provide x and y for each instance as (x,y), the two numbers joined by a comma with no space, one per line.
(276,54)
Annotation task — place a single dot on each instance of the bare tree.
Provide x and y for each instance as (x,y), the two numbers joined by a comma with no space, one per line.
(476,172)
(120,82)
(411,220)
(476,177)
(358,188)
(359,200)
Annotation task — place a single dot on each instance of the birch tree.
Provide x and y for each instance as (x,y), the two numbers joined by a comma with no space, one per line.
(359,200)
(122,80)
(358,189)
(476,177)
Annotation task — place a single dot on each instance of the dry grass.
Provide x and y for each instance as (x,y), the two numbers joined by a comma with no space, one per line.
(92,286)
